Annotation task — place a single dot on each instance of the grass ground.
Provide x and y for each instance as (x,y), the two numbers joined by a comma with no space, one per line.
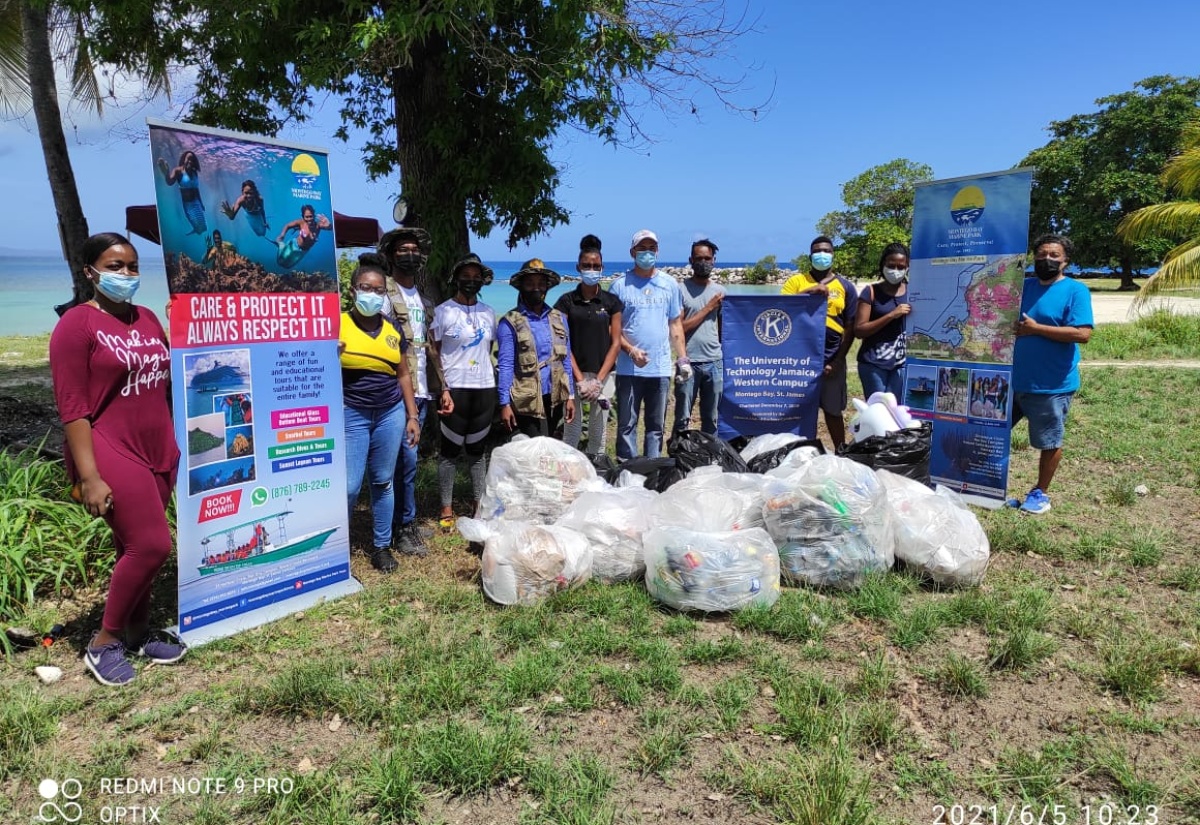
(1070,678)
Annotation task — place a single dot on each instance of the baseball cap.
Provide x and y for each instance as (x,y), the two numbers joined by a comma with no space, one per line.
(641,235)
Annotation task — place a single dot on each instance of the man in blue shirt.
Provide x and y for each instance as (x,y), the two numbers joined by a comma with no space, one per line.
(535,381)
(651,330)
(1056,317)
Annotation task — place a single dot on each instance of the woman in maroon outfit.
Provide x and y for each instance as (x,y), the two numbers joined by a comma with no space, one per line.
(111,370)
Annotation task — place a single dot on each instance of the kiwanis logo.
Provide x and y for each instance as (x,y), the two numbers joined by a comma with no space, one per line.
(772,327)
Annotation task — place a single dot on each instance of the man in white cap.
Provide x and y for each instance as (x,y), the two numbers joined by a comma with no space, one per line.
(651,331)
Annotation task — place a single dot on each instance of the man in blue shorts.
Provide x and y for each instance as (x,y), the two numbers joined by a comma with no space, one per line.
(1056,317)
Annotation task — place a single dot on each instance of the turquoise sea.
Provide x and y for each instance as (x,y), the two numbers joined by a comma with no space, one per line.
(31,286)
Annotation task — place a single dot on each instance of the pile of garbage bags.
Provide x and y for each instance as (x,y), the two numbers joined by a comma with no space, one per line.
(719,536)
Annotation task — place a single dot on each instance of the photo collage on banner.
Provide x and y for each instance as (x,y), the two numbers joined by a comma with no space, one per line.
(773,358)
(970,238)
(253,322)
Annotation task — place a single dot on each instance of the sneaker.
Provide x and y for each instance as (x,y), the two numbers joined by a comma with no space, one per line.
(1036,502)
(109,664)
(162,647)
(383,560)
(411,543)
(1013,503)
(422,533)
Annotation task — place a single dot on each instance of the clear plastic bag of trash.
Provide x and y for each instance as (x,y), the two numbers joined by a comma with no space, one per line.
(936,532)
(737,505)
(766,443)
(792,461)
(613,522)
(526,563)
(831,522)
(711,572)
(535,480)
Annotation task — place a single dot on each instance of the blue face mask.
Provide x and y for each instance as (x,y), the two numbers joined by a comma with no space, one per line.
(646,259)
(368,303)
(117,287)
(821,261)
(591,277)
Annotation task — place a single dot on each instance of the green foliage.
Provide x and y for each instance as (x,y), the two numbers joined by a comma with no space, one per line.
(1102,166)
(48,543)
(1159,334)
(879,211)
(765,271)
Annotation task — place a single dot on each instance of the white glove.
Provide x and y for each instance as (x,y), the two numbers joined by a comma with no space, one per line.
(683,369)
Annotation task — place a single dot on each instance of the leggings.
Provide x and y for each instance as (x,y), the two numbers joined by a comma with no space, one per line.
(139,523)
(466,430)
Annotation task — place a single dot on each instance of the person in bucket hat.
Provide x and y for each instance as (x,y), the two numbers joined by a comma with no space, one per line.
(536,382)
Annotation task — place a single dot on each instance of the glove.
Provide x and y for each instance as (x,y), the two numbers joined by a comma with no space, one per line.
(683,369)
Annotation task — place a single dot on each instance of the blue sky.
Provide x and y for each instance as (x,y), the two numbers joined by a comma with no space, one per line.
(963,87)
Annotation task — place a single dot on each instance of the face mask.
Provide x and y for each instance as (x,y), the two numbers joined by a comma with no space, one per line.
(368,303)
(533,298)
(408,261)
(591,278)
(821,261)
(1045,269)
(469,287)
(646,259)
(116,287)
(894,276)
(702,269)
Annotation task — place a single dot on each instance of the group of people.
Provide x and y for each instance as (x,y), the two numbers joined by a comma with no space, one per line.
(401,356)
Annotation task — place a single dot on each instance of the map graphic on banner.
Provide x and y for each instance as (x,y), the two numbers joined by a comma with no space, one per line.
(966,274)
(773,356)
(253,323)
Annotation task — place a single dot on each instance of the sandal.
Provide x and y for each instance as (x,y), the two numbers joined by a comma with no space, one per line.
(446,522)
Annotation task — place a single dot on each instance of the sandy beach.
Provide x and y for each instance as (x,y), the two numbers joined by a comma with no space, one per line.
(1117,307)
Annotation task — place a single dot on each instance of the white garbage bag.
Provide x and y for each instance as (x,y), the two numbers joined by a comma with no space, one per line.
(936,532)
(613,521)
(738,506)
(534,480)
(831,522)
(525,563)
(766,443)
(711,572)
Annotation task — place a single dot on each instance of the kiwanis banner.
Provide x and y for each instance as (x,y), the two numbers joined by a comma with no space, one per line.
(773,356)
(970,236)
(254,313)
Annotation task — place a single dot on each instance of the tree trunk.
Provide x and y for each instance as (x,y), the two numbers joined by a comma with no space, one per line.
(1127,284)
(72,225)
(427,181)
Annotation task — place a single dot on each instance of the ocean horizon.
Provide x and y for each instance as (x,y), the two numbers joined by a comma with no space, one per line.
(32,284)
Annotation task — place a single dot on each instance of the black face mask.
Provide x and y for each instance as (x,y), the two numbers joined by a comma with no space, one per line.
(408,261)
(1045,269)
(469,287)
(533,298)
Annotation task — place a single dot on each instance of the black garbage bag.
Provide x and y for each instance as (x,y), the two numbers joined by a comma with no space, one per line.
(606,467)
(660,473)
(773,458)
(692,449)
(904,452)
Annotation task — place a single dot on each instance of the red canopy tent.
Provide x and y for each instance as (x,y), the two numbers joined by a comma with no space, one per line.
(348,231)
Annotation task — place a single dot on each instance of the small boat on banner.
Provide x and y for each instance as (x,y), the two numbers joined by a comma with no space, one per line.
(251,544)
(218,377)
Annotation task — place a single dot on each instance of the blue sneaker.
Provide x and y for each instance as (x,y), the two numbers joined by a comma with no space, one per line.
(162,647)
(109,664)
(1013,503)
(1036,502)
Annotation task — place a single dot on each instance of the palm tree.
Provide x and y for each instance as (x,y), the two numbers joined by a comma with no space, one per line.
(1177,219)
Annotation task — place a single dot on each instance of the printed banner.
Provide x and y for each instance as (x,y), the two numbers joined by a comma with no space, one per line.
(773,356)
(254,314)
(970,236)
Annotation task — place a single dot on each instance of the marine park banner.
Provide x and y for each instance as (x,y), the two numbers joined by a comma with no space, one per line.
(970,237)
(248,244)
(773,358)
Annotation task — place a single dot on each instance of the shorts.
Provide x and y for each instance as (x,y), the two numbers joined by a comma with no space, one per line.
(834,396)
(1047,416)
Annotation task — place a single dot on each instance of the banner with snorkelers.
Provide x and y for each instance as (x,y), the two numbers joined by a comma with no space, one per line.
(253,320)
(773,350)
(967,268)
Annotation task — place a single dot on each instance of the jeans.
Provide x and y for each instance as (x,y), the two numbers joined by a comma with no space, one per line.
(405,479)
(877,379)
(707,381)
(597,420)
(632,393)
(372,443)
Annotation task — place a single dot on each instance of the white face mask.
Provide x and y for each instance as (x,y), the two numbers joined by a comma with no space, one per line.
(894,276)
